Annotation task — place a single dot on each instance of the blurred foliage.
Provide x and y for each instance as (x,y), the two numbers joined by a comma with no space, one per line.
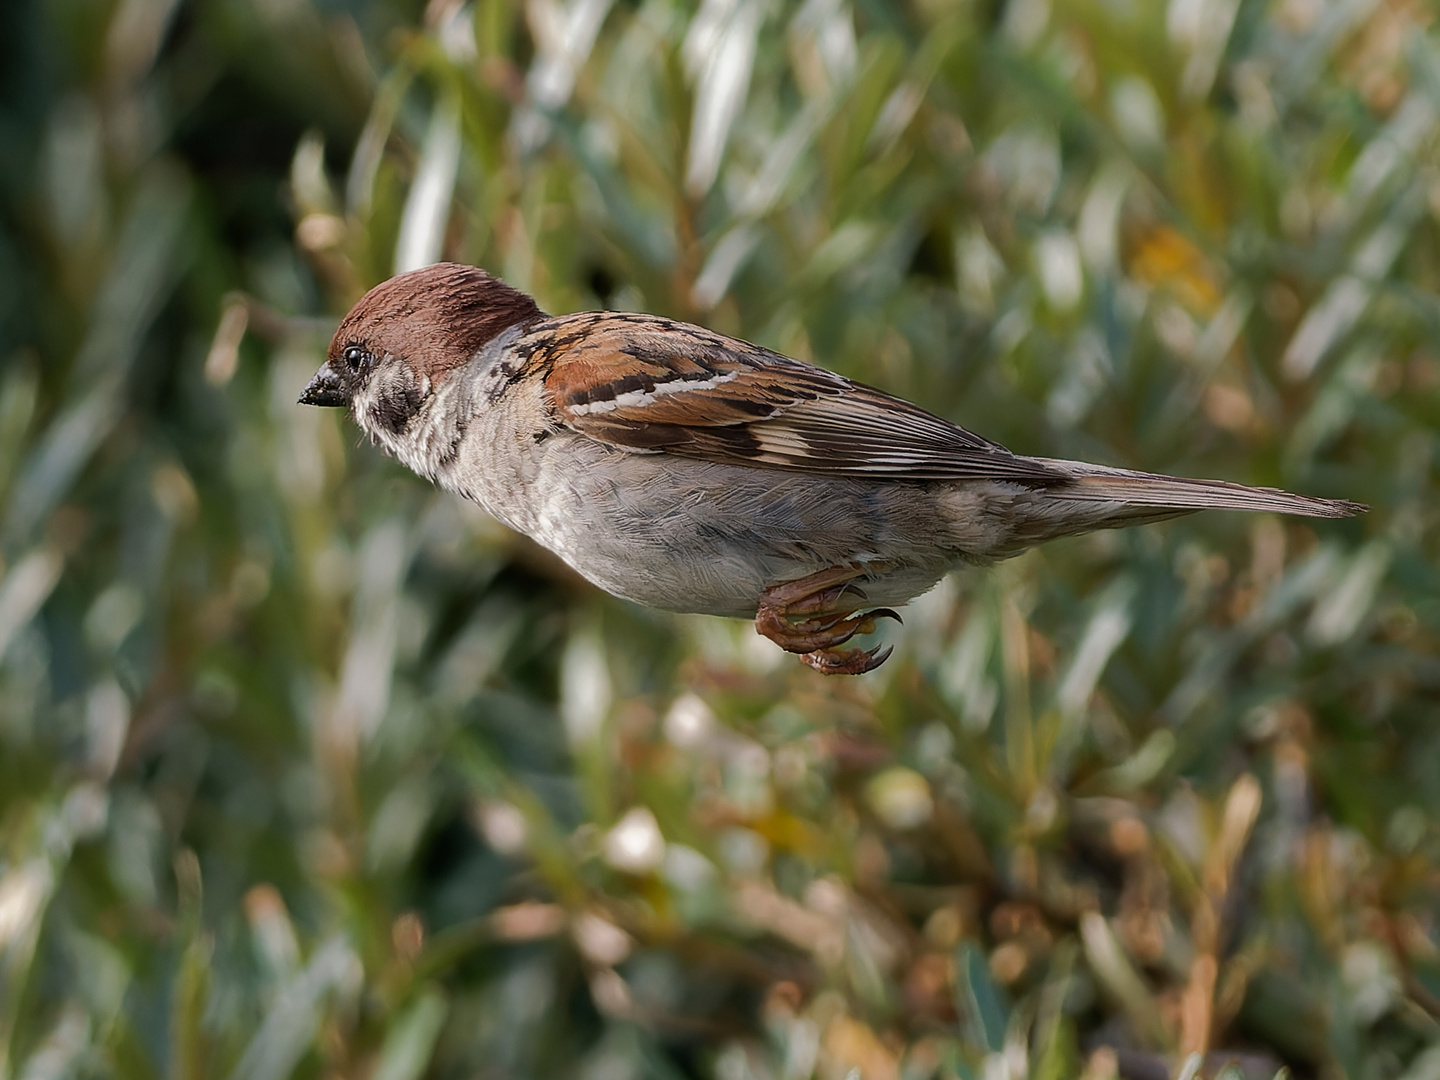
(309,770)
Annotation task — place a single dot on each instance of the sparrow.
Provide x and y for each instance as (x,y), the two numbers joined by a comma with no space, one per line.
(689,471)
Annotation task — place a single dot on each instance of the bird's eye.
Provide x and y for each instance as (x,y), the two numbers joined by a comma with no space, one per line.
(355,357)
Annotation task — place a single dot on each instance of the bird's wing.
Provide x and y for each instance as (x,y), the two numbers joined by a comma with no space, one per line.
(649,384)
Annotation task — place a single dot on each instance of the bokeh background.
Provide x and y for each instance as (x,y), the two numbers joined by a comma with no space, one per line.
(309,770)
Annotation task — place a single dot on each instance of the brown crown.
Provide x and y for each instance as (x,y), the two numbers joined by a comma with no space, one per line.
(436,317)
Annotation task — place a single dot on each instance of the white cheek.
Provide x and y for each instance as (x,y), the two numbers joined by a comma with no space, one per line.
(362,404)
(426,443)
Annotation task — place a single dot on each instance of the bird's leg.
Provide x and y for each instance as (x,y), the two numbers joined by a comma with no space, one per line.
(814,615)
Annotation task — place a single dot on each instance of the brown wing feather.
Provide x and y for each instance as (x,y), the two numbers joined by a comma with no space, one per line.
(647,383)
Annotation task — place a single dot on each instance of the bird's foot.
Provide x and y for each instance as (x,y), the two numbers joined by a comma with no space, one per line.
(829,600)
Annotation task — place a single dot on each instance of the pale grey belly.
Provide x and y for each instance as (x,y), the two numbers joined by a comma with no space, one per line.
(694,536)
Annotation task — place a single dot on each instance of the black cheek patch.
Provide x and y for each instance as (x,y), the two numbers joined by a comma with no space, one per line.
(394,411)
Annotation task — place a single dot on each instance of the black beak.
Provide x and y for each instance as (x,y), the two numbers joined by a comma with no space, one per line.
(326,388)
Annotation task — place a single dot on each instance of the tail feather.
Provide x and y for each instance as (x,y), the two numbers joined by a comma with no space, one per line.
(1099,483)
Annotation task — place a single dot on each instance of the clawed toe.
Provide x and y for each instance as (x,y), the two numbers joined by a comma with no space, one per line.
(832,622)
(847,661)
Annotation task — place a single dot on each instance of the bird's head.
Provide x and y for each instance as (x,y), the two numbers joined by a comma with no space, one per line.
(406,335)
